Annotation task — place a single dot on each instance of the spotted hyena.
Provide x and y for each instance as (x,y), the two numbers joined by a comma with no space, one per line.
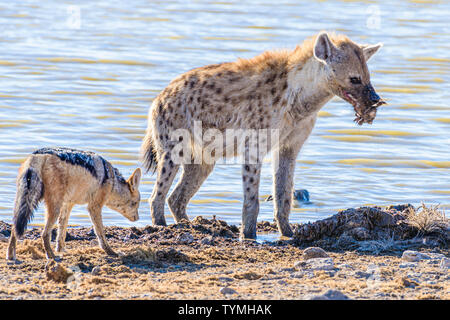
(277,90)
(64,177)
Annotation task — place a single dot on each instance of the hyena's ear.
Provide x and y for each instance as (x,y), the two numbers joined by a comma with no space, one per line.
(135,179)
(369,50)
(324,49)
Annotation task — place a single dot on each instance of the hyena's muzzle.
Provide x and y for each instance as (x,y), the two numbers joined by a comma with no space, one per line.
(365,101)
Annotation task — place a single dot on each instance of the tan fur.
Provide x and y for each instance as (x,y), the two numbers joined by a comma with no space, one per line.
(66,185)
(281,90)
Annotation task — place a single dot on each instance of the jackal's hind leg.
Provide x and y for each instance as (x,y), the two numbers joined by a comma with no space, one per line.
(167,171)
(250,178)
(62,227)
(192,178)
(53,211)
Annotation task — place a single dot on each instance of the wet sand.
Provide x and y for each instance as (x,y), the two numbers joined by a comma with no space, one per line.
(204,259)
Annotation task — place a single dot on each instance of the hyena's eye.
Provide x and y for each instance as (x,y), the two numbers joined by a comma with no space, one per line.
(355,80)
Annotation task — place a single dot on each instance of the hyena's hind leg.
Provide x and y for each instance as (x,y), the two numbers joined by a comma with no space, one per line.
(250,180)
(192,178)
(62,227)
(167,171)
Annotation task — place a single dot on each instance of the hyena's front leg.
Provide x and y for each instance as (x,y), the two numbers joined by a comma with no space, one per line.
(167,171)
(95,212)
(192,178)
(250,179)
(283,185)
(63,220)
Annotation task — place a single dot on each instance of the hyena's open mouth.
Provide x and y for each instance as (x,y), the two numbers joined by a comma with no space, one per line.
(363,114)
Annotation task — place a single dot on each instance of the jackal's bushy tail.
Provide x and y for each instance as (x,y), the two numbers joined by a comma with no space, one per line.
(30,191)
(148,152)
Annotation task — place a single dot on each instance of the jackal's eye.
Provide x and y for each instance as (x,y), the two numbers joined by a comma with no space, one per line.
(355,80)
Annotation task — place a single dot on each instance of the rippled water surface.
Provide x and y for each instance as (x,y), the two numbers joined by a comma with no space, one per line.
(82,74)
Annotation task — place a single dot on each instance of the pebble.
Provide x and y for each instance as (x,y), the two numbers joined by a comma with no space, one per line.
(208,241)
(227,290)
(185,238)
(315,264)
(330,295)
(96,270)
(445,264)
(414,256)
(314,252)
(408,265)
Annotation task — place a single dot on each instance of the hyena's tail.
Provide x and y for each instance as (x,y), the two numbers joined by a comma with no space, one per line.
(30,191)
(148,152)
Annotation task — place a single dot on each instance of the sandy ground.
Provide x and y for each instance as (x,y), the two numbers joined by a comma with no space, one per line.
(205,259)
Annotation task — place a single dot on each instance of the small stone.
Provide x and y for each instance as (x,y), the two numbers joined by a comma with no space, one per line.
(185,238)
(297,275)
(360,233)
(226,279)
(409,283)
(317,264)
(445,264)
(207,241)
(407,265)
(330,295)
(227,290)
(96,270)
(57,272)
(314,252)
(413,256)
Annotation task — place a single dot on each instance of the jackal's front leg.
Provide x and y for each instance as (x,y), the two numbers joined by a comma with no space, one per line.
(250,181)
(95,211)
(283,185)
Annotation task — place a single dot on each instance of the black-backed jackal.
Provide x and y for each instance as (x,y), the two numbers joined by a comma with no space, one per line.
(65,177)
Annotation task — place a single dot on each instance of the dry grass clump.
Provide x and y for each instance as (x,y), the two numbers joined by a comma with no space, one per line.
(428,219)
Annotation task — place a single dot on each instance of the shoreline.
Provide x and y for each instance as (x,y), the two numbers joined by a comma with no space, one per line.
(204,259)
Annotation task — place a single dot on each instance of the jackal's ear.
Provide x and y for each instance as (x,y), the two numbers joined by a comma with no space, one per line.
(324,49)
(369,50)
(135,179)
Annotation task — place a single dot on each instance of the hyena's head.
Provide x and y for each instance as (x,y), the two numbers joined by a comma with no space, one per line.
(348,75)
(125,196)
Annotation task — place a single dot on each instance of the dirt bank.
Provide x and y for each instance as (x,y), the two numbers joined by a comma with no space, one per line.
(204,259)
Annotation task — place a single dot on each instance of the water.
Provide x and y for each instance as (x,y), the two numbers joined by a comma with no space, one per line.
(82,74)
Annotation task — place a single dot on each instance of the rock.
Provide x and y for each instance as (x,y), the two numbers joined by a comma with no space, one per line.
(407,282)
(413,256)
(227,290)
(3,238)
(445,264)
(96,270)
(330,295)
(407,265)
(208,241)
(314,252)
(359,233)
(315,264)
(185,238)
(57,272)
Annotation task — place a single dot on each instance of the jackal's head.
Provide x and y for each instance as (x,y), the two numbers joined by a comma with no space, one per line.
(348,75)
(125,196)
